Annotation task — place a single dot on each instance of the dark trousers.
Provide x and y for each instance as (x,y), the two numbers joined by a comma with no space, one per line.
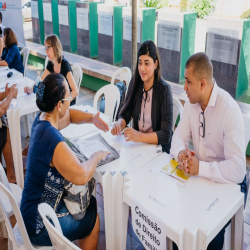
(218,242)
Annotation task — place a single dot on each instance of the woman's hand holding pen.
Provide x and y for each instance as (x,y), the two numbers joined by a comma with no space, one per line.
(116,129)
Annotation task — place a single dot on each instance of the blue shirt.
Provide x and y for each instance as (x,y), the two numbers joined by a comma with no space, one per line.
(43,183)
(12,56)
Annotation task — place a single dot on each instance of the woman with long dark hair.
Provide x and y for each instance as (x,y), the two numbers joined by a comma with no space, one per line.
(11,56)
(149,102)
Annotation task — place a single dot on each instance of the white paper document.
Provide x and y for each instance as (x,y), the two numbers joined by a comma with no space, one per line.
(82,15)
(34,9)
(47,13)
(127,29)
(63,15)
(169,35)
(89,147)
(105,26)
(148,228)
(222,46)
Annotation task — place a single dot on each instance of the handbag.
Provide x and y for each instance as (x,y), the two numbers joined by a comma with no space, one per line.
(77,198)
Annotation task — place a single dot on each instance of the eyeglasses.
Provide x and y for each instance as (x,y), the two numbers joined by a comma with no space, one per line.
(67,99)
(202,126)
(47,47)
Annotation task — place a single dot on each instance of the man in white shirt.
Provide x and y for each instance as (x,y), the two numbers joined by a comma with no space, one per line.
(213,120)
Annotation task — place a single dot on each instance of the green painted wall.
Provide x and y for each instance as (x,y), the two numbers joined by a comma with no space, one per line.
(188,41)
(55,18)
(244,63)
(41,22)
(148,24)
(72,26)
(117,35)
(36,61)
(92,83)
(93,30)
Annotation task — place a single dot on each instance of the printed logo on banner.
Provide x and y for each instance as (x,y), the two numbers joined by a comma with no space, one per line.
(3,6)
(149,229)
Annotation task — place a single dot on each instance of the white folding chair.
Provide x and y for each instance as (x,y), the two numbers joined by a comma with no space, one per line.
(124,75)
(112,99)
(57,238)
(25,51)
(246,121)
(46,62)
(18,237)
(77,74)
(177,110)
(17,193)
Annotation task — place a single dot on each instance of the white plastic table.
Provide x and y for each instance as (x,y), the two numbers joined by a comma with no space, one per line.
(3,74)
(193,213)
(23,105)
(132,156)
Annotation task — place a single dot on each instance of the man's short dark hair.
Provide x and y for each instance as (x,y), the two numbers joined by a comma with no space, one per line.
(202,66)
(1,17)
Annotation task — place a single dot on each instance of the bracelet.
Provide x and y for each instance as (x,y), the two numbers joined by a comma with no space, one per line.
(35,89)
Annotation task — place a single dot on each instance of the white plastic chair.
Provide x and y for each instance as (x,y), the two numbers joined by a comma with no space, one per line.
(58,240)
(177,110)
(246,121)
(124,75)
(46,62)
(77,74)
(18,237)
(112,98)
(25,51)
(17,193)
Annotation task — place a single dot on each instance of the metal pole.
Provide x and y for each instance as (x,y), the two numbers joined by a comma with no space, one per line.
(134,35)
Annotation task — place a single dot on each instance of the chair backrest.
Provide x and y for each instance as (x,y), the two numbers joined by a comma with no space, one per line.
(46,62)
(112,99)
(125,75)
(23,239)
(57,238)
(25,51)
(77,74)
(177,110)
(3,177)
(246,121)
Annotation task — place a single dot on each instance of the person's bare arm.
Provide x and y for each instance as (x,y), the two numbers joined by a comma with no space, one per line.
(72,84)
(79,117)
(68,165)
(13,94)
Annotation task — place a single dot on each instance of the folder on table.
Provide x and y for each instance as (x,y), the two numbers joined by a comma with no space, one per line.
(172,169)
(84,148)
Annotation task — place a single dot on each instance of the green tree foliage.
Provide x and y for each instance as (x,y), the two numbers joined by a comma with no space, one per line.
(156,3)
(203,7)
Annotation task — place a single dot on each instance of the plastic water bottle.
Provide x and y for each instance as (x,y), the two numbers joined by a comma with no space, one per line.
(38,78)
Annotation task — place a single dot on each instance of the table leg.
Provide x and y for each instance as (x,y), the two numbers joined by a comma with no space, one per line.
(19,159)
(108,210)
(13,138)
(237,229)
(121,213)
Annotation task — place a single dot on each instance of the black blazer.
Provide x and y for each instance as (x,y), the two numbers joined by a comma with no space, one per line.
(161,112)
